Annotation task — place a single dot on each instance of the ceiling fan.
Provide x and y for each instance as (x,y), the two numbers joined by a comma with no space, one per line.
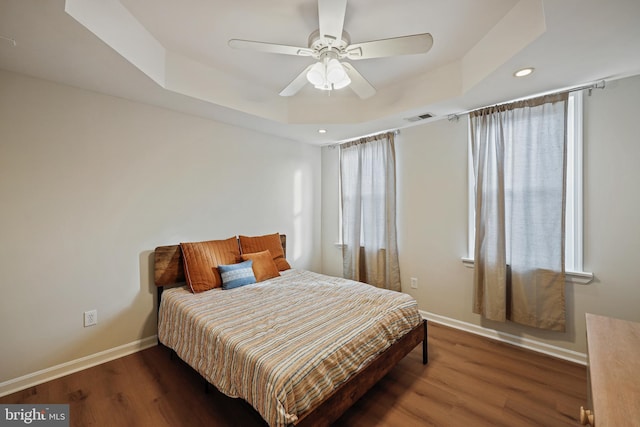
(330,44)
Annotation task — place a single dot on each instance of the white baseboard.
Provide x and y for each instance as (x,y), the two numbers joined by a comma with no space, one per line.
(48,374)
(530,344)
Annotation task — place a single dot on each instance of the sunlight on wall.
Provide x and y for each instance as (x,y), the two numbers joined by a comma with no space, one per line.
(297,215)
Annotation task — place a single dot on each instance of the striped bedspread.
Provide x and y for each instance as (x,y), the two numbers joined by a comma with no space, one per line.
(284,344)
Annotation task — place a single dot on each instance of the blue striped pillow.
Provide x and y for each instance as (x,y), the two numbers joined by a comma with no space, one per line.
(236,275)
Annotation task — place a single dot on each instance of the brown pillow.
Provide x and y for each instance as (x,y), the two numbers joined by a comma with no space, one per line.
(263,265)
(268,242)
(200,257)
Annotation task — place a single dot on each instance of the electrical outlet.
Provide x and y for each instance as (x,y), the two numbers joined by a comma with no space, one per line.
(90,318)
(414,283)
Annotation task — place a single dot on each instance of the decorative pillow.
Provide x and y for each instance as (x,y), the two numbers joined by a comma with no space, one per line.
(264,267)
(201,258)
(237,275)
(270,242)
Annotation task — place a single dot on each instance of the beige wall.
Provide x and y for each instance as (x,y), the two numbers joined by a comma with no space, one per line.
(432,217)
(90,184)
(331,252)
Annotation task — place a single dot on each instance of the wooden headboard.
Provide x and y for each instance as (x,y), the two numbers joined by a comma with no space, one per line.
(169,268)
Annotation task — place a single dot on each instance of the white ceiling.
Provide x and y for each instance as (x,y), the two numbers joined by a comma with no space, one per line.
(175,55)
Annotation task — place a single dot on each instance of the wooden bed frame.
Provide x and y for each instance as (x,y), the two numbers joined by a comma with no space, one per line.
(169,272)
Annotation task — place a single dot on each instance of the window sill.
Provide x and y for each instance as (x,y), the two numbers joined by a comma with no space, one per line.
(579,277)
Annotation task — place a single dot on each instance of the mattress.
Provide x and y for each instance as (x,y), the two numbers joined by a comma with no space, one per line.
(284,344)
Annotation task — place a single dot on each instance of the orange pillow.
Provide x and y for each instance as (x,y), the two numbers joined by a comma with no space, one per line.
(268,242)
(201,257)
(263,265)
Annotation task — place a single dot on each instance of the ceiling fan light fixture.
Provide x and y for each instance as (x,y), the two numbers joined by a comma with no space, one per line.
(328,75)
(346,81)
(317,74)
(335,71)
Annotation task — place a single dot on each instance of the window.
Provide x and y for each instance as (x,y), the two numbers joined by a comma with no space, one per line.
(573,215)
(367,180)
(573,233)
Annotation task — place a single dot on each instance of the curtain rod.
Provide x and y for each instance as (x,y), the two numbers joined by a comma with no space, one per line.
(346,141)
(454,117)
(598,85)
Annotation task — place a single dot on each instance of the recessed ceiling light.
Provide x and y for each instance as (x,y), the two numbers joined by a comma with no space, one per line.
(524,72)
(322,131)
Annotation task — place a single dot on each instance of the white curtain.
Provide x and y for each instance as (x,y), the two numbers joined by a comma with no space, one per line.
(519,156)
(368,195)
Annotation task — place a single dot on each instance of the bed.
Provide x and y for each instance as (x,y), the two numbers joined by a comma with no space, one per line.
(296,347)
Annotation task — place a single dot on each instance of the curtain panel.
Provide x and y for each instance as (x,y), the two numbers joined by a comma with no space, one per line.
(368,196)
(519,160)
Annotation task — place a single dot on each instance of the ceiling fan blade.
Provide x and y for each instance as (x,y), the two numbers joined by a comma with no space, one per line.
(297,83)
(331,16)
(270,47)
(406,45)
(359,84)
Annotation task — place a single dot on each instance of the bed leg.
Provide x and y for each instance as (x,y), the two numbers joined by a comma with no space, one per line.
(425,351)
(206,386)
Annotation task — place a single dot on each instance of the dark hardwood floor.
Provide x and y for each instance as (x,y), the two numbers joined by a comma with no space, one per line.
(469,381)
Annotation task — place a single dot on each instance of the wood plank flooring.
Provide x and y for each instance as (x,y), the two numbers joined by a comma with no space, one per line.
(469,381)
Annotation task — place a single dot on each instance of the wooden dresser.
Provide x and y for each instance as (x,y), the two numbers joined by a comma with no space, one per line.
(614,373)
